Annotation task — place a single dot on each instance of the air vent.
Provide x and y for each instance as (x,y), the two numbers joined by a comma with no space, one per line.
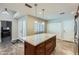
(28,5)
(62,13)
(5,9)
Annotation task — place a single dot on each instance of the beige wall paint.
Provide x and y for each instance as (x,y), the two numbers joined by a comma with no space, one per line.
(30,24)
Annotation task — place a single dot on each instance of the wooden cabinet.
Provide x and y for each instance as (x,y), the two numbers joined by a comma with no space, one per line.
(44,48)
(50,45)
(29,49)
(40,49)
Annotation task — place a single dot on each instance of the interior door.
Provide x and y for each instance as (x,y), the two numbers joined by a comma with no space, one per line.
(68,30)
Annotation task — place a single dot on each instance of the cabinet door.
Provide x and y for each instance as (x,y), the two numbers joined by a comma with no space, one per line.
(40,49)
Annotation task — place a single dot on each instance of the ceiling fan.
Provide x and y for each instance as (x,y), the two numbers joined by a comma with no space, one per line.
(28,5)
(61,13)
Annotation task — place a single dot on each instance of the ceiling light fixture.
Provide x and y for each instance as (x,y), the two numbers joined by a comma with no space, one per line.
(5,9)
(43,23)
(40,13)
(72,12)
(78,11)
(36,22)
(5,12)
(43,12)
(35,9)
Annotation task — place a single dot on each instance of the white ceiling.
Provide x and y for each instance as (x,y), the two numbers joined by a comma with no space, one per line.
(52,10)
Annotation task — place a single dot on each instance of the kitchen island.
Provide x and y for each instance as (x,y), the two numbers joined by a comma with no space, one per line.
(39,44)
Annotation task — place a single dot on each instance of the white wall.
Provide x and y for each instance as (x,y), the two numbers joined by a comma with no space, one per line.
(55,28)
(63,29)
(22,31)
(68,30)
(14,29)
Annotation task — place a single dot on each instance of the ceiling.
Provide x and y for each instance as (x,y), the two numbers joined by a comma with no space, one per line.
(52,10)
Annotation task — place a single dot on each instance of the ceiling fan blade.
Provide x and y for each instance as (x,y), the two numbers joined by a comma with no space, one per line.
(28,5)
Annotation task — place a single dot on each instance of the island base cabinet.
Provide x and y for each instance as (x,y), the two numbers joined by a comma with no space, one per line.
(50,45)
(40,49)
(29,49)
(44,48)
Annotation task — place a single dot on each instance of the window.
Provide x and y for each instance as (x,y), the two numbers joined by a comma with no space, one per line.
(39,27)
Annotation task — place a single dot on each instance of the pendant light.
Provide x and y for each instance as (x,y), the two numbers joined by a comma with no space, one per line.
(5,9)
(35,9)
(43,10)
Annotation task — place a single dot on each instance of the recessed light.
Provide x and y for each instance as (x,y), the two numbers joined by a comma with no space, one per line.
(36,22)
(73,12)
(43,23)
(40,12)
(78,11)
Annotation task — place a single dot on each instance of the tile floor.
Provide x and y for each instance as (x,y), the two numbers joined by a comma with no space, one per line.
(12,49)
(62,48)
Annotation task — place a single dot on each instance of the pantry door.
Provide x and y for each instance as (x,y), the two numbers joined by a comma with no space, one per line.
(68,30)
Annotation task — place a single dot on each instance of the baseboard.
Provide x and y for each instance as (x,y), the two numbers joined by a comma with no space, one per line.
(13,39)
(67,41)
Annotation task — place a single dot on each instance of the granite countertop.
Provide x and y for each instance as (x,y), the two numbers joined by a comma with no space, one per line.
(38,38)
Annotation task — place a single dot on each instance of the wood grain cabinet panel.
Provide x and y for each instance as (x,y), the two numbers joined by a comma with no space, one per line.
(40,49)
(44,48)
(29,49)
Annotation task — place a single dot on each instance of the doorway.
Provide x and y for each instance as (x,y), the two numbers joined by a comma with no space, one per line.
(6,31)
